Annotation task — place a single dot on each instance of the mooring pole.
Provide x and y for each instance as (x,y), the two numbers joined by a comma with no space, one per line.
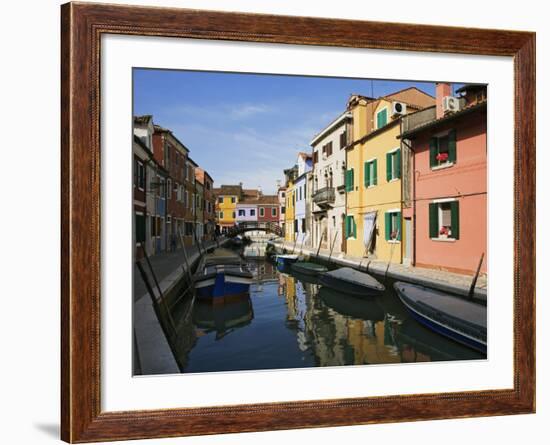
(332,245)
(474,281)
(319,246)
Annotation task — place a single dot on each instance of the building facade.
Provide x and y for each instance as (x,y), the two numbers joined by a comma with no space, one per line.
(328,210)
(301,224)
(208,204)
(373,226)
(449,212)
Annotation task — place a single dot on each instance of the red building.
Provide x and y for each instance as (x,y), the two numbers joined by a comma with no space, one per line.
(449,183)
(171,154)
(208,204)
(268,208)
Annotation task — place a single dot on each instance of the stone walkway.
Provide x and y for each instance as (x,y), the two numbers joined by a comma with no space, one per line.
(438,279)
(164,264)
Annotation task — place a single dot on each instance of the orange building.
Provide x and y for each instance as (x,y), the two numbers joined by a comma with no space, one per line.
(449,212)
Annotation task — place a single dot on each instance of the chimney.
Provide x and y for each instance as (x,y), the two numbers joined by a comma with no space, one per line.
(442,89)
(259,190)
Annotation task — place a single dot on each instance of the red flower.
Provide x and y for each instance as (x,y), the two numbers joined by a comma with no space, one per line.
(442,156)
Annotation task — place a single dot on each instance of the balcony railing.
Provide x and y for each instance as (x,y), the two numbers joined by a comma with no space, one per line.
(324,197)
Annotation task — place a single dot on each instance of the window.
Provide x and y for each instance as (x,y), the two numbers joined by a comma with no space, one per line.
(393,165)
(233,215)
(186,198)
(252,212)
(220,200)
(303,225)
(350,227)
(349,180)
(167,157)
(393,226)
(169,185)
(443,149)
(382,118)
(444,220)
(343,139)
(327,150)
(140,175)
(140,228)
(315,157)
(221,215)
(241,212)
(262,211)
(283,210)
(273,211)
(233,200)
(295,226)
(371,173)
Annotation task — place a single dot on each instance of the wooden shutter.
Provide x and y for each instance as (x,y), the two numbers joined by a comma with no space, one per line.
(434,220)
(366,174)
(354,227)
(388,167)
(452,146)
(387,228)
(346,227)
(374,172)
(381,118)
(433,152)
(455,226)
(352,180)
(398,160)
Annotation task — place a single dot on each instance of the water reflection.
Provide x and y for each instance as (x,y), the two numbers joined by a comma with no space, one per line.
(290,321)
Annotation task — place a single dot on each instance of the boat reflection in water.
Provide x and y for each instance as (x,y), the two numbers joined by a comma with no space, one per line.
(224,318)
(288,320)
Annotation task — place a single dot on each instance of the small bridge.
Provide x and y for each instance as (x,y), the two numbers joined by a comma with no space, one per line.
(249,226)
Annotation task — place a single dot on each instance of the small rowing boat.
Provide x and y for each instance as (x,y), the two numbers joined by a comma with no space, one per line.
(286,259)
(453,317)
(352,282)
(222,275)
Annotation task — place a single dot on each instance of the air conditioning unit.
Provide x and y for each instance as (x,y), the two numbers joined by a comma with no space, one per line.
(398,108)
(451,104)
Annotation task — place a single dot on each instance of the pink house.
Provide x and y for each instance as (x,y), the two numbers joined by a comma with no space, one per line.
(449,181)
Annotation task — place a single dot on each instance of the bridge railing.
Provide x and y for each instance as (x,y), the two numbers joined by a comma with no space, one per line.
(247,226)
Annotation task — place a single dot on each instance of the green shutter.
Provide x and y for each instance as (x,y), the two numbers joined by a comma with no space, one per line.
(351,180)
(399,226)
(452,146)
(398,160)
(434,220)
(388,167)
(455,226)
(354,227)
(375,172)
(433,152)
(366,174)
(348,231)
(382,118)
(387,222)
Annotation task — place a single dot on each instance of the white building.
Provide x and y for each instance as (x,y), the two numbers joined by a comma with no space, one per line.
(329,193)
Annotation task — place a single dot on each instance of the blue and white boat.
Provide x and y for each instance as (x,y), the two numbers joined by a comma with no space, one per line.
(222,275)
(285,260)
(453,317)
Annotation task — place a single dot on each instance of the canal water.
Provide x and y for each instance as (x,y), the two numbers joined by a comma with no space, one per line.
(290,321)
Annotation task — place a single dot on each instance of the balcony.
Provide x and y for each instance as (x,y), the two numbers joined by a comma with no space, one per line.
(324,197)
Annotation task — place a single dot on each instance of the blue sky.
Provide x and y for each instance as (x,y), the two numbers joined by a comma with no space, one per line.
(248,127)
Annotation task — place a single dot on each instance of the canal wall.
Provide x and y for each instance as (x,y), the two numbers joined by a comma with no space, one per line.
(153,354)
(445,281)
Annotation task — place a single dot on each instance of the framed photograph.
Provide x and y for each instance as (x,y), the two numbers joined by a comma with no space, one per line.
(275,222)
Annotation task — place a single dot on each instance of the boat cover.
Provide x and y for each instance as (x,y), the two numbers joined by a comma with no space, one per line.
(353,276)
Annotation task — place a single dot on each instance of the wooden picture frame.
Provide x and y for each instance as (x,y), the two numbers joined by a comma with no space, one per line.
(82,26)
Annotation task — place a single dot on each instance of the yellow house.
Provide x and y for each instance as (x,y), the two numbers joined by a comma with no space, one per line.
(289,211)
(227,198)
(374,162)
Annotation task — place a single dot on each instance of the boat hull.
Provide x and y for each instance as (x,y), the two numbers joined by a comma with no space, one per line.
(311,269)
(222,284)
(465,338)
(355,289)
(286,260)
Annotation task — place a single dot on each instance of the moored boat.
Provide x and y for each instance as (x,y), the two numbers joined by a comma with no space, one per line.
(308,268)
(222,275)
(453,317)
(352,282)
(286,259)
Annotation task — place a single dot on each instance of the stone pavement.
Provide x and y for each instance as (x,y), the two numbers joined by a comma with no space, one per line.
(437,279)
(164,264)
